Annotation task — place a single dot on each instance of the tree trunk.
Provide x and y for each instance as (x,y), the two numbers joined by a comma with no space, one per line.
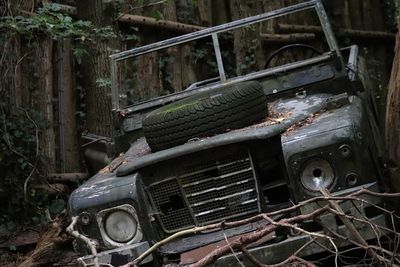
(249,54)
(150,84)
(173,68)
(220,10)
(205,12)
(369,15)
(393,121)
(44,101)
(69,153)
(96,68)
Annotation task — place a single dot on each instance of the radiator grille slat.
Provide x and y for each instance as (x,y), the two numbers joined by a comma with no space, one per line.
(207,192)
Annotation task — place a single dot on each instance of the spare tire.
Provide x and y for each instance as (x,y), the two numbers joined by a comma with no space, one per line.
(205,114)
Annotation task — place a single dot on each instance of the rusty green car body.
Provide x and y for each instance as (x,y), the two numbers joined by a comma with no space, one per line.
(321,123)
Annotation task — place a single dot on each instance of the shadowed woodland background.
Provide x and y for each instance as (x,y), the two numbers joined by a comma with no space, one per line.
(55,76)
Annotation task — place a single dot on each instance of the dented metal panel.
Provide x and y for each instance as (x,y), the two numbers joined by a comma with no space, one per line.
(319,120)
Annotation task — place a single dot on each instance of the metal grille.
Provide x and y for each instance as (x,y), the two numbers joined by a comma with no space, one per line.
(208,192)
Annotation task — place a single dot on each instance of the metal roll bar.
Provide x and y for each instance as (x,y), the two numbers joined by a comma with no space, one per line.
(213,32)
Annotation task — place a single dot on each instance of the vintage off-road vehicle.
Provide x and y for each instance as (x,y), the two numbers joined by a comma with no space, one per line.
(227,149)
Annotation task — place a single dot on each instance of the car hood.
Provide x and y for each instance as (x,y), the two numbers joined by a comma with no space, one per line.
(283,114)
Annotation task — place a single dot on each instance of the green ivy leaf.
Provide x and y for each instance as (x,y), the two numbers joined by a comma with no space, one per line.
(157,15)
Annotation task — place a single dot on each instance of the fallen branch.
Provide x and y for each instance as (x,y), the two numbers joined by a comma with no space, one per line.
(362,34)
(70,230)
(246,239)
(48,249)
(289,260)
(273,225)
(164,24)
(353,230)
(287,38)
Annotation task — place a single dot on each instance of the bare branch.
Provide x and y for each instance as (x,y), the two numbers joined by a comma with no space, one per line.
(87,241)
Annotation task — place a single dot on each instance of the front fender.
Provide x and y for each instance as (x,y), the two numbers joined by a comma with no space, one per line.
(104,191)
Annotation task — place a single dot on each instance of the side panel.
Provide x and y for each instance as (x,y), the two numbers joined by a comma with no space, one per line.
(341,137)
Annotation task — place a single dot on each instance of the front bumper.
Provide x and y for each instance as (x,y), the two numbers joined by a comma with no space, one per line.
(118,256)
(278,252)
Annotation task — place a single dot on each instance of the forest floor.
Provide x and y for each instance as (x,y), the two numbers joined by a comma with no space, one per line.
(47,245)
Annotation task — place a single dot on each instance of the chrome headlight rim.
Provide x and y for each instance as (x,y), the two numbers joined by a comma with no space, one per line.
(101,221)
(317,170)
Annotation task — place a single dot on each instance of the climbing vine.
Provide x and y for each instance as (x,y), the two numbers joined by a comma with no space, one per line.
(21,159)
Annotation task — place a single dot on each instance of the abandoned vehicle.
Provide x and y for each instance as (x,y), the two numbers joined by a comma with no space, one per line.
(229,148)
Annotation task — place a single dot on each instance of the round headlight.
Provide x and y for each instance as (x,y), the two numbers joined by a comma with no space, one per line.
(317,174)
(120,226)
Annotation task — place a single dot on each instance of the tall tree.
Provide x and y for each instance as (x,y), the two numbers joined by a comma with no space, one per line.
(44,101)
(68,140)
(96,68)
(249,54)
(372,15)
(393,120)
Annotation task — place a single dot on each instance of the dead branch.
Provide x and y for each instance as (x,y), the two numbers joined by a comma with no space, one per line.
(361,34)
(290,223)
(165,24)
(70,230)
(246,239)
(170,238)
(289,260)
(287,38)
(46,251)
(34,167)
(233,252)
(366,248)
(352,229)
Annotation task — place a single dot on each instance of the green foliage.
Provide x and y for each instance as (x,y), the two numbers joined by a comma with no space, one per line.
(249,62)
(187,12)
(57,25)
(157,15)
(19,159)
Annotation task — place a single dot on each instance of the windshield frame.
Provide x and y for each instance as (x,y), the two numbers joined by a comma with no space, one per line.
(213,32)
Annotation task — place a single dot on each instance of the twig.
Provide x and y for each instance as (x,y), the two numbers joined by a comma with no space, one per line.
(281,264)
(294,227)
(352,229)
(8,141)
(233,252)
(282,223)
(254,236)
(166,240)
(336,252)
(37,153)
(366,248)
(87,241)
(19,62)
